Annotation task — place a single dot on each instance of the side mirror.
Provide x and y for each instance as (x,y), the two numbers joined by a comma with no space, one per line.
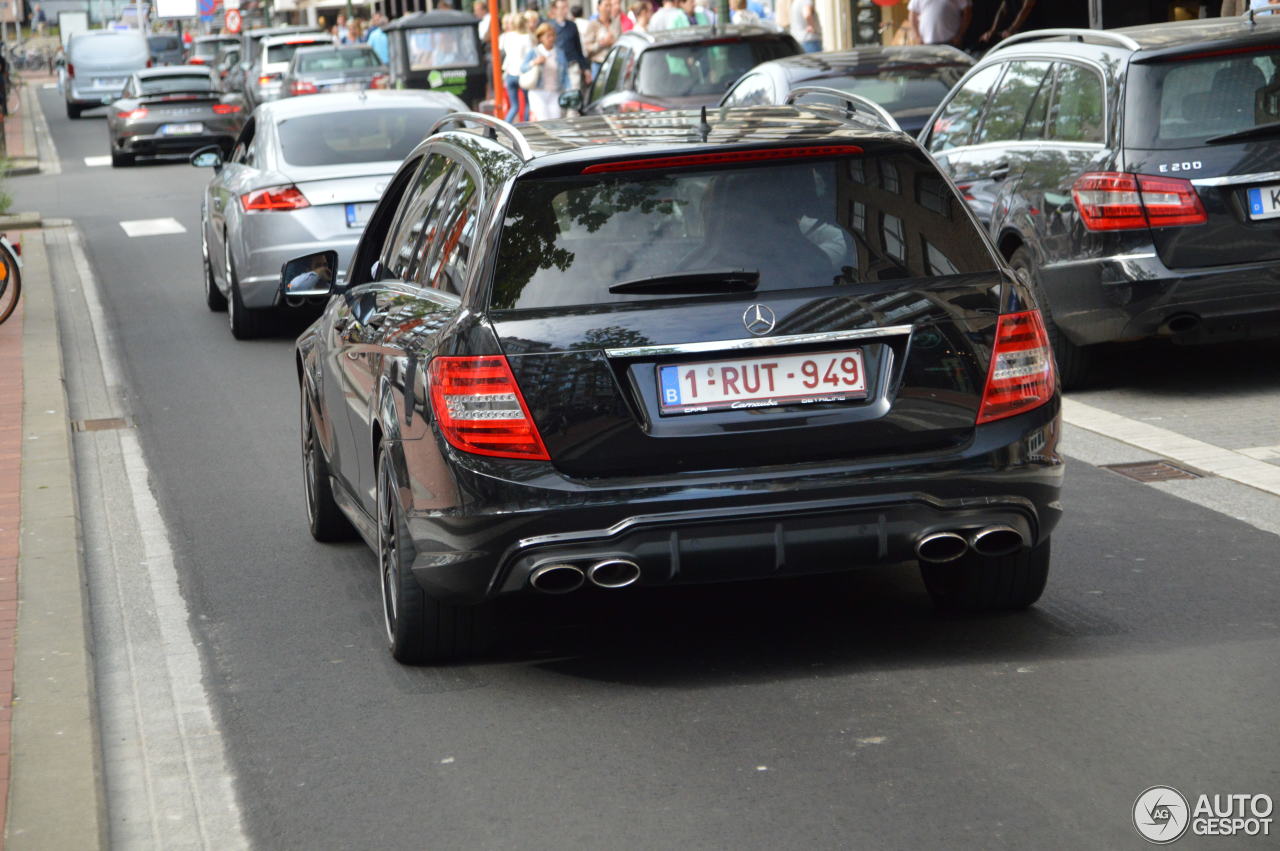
(207,157)
(309,275)
(571,99)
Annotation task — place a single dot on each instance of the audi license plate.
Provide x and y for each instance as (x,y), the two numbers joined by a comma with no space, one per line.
(691,388)
(1264,202)
(181,129)
(358,214)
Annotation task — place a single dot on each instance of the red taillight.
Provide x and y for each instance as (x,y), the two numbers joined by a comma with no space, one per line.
(1111,200)
(726,157)
(130,114)
(226,108)
(196,60)
(267,79)
(302,87)
(479,408)
(71,70)
(1021,375)
(379,81)
(640,106)
(150,62)
(275,198)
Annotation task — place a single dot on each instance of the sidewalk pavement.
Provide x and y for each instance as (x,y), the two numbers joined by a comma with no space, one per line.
(51,794)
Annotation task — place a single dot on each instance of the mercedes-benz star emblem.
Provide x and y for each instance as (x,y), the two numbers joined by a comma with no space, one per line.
(759,319)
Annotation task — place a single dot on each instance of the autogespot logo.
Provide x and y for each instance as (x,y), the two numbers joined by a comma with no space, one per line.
(1160,814)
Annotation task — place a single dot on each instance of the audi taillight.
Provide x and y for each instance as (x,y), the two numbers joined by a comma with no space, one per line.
(302,87)
(479,409)
(1021,375)
(640,106)
(130,114)
(226,108)
(274,198)
(1111,200)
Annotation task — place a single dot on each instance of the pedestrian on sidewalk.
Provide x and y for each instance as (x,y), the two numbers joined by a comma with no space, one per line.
(939,21)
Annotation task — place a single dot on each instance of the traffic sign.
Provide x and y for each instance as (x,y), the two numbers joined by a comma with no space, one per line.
(207,8)
(231,23)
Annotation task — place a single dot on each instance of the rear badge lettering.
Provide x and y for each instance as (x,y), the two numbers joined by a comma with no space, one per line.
(1194,165)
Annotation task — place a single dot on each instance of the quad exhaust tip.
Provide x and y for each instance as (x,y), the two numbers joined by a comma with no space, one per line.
(997,541)
(557,578)
(941,547)
(613,573)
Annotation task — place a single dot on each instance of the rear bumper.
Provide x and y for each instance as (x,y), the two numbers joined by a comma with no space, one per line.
(150,144)
(736,525)
(89,97)
(1137,296)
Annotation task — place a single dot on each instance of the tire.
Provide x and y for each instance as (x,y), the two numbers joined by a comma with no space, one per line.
(119,160)
(974,583)
(245,324)
(73,112)
(213,296)
(419,628)
(324,518)
(1072,361)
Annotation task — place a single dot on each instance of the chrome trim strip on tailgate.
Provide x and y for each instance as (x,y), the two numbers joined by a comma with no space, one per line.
(758,342)
(1232,180)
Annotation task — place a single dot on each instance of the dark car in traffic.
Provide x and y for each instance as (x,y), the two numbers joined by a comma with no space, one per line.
(172,110)
(644,351)
(1132,176)
(165,49)
(205,49)
(679,69)
(908,82)
(333,68)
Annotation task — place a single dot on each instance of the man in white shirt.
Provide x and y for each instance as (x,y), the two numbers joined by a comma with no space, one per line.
(939,21)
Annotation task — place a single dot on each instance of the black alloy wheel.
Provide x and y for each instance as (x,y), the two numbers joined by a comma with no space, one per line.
(974,583)
(324,518)
(73,111)
(245,324)
(213,297)
(119,159)
(419,628)
(1072,360)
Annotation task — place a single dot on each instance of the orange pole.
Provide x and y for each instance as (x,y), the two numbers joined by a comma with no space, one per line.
(500,105)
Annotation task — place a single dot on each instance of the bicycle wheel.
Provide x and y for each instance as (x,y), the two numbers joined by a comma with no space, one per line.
(10,285)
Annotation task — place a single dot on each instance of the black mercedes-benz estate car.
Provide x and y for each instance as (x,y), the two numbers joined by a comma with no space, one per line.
(1132,175)
(646,350)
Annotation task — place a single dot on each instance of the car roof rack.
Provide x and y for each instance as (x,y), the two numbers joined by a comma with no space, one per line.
(1072,34)
(1270,10)
(852,102)
(494,125)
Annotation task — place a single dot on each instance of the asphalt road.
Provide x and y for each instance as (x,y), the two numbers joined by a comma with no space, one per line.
(839,712)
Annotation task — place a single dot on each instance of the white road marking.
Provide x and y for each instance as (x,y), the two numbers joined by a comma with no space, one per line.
(1263,453)
(152,227)
(1226,463)
(164,755)
(97,162)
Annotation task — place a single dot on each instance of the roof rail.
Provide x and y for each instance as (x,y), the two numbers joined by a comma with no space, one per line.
(495,126)
(1104,36)
(1270,10)
(852,102)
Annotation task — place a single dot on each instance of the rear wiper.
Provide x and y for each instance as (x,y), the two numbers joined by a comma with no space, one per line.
(1247,133)
(681,283)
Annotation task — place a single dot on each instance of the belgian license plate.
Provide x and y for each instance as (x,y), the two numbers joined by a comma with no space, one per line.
(1264,202)
(767,382)
(181,129)
(358,214)
(109,82)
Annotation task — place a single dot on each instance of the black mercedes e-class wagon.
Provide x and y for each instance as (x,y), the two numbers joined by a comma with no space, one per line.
(646,350)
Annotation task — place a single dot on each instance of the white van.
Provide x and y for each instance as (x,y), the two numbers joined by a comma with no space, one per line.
(99,64)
